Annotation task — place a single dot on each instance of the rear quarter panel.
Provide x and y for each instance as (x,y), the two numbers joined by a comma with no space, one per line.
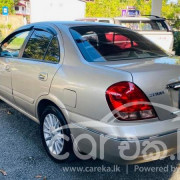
(90,84)
(87,80)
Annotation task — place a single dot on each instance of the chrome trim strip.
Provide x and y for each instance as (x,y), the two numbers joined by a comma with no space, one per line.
(176,112)
(174,86)
(177,86)
(127,139)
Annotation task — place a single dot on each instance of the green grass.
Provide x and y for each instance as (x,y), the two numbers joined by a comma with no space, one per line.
(16,43)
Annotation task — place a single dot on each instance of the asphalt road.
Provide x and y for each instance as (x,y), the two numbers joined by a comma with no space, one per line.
(22,157)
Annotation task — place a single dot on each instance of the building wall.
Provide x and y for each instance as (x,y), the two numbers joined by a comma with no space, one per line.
(57,10)
(28,8)
(22,10)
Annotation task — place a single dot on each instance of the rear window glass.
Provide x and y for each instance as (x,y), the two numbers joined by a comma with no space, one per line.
(161,26)
(37,45)
(53,53)
(108,43)
(145,25)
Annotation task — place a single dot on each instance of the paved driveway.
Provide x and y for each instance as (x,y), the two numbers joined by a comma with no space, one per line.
(22,157)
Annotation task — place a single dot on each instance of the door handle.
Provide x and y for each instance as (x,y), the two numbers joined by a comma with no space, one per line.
(43,76)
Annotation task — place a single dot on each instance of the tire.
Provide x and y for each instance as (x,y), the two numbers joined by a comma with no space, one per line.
(51,123)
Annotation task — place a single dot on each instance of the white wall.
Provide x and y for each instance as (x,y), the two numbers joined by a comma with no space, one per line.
(54,10)
(28,8)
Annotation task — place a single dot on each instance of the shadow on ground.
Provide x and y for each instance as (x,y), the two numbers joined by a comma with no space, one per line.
(22,156)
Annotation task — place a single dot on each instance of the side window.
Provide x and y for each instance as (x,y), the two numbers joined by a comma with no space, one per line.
(37,45)
(134,25)
(146,26)
(53,53)
(138,25)
(161,26)
(11,47)
(104,21)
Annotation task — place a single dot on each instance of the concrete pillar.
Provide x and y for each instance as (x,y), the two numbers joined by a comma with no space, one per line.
(156,7)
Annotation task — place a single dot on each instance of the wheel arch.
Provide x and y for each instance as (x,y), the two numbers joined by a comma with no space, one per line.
(45,101)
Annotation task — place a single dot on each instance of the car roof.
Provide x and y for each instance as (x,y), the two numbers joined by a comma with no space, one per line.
(149,18)
(145,18)
(67,24)
(81,23)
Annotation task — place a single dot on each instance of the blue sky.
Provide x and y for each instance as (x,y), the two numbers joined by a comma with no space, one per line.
(174,1)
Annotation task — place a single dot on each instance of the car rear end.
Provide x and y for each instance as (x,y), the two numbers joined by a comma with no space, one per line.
(146,110)
(143,117)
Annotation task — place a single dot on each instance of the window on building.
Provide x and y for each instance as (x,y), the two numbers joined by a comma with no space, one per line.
(16,8)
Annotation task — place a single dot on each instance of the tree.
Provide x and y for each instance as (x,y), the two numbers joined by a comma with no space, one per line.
(9,4)
(112,8)
(16,2)
(103,8)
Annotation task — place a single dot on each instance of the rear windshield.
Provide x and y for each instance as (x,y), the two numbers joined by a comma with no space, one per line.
(108,43)
(145,25)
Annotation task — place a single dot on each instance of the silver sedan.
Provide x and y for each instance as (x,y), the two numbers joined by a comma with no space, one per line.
(97,90)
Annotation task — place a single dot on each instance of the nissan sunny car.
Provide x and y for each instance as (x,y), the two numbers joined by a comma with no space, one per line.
(95,89)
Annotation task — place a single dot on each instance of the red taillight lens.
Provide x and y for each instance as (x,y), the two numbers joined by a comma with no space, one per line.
(128,102)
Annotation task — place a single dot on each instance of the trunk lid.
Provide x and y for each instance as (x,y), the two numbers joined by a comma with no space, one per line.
(157,78)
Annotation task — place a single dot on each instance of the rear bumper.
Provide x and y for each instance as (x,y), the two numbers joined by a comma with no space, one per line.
(141,151)
(128,151)
(126,142)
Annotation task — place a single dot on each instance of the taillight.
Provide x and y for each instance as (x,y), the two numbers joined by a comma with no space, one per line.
(127,102)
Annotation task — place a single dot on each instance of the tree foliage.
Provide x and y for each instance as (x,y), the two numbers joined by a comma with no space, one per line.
(16,2)
(9,4)
(112,8)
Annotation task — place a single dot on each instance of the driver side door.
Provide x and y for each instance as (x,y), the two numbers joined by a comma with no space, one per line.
(9,51)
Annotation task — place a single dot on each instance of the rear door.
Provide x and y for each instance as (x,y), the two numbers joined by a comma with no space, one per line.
(32,74)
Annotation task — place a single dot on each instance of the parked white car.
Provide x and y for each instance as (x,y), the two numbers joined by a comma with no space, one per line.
(154,28)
